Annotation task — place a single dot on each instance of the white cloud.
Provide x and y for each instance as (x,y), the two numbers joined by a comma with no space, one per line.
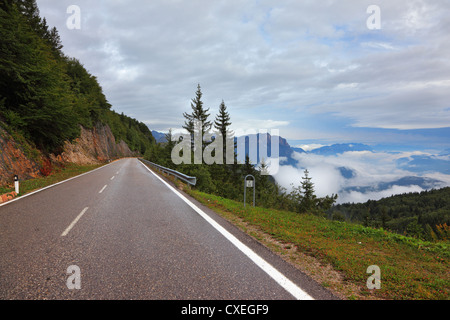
(355,196)
(370,169)
(379,45)
(249,126)
(309,147)
(290,58)
(288,176)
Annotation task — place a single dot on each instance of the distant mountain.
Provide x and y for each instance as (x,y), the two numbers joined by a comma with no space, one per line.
(415,163)
(285,150)
(299,150)
(347,173)
(341,148)
(422,182)
(425,163)
(159,136)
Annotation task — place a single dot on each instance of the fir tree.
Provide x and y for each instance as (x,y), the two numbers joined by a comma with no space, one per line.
(198,114)
(308,201)
(30,10)
(222,124)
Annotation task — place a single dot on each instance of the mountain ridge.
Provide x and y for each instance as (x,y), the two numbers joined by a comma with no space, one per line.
(347,172)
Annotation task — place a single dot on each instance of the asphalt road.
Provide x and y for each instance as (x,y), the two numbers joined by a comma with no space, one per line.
(131,236)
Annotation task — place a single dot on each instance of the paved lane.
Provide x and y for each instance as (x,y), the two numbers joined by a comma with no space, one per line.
(132,238)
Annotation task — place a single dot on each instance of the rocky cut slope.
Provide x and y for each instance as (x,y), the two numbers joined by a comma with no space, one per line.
(93,146)
(17,157)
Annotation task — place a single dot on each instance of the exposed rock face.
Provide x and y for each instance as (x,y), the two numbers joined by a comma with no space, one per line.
(7,197)
(13,160)
(94,146)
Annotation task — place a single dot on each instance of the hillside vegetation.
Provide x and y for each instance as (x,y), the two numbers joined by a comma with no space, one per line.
(410,268)
(45,96)
(424,215)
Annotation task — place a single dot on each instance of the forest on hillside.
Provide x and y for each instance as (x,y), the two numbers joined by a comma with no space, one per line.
(46,96)
(424,215)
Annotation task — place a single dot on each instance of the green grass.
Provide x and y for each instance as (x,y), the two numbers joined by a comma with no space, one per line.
(59,174)
(410,268)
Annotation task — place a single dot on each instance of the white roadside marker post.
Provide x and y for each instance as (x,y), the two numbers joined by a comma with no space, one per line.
(16,183)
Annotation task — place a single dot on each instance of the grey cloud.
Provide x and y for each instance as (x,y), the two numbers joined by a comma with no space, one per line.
(150,55)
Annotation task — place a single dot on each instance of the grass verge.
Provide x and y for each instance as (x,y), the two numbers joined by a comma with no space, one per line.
(59,174)
(337,254)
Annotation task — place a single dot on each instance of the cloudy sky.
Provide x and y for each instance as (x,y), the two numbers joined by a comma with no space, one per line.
(312,69)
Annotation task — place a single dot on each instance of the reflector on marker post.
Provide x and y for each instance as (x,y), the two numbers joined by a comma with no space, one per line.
(16,183)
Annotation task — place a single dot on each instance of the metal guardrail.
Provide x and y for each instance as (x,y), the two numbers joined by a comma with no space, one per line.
(191,180)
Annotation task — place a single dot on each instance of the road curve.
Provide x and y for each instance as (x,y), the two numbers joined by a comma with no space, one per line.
(131,236)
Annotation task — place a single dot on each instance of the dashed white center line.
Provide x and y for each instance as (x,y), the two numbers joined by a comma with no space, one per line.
(112,178)
(74,222)
(103,188)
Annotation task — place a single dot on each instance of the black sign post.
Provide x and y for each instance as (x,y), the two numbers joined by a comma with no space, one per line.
(249,184)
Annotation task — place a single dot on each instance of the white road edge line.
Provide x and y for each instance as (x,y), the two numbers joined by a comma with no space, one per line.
(103,189)
(74,222)
(281,279)
(51,186)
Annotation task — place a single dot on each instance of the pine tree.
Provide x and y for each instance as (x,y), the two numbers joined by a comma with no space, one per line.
(168,147)
(265,187)
(303,196)
(248,167)
(222,124)
(29,9)
(198,114)
(54,40)
(308,202)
